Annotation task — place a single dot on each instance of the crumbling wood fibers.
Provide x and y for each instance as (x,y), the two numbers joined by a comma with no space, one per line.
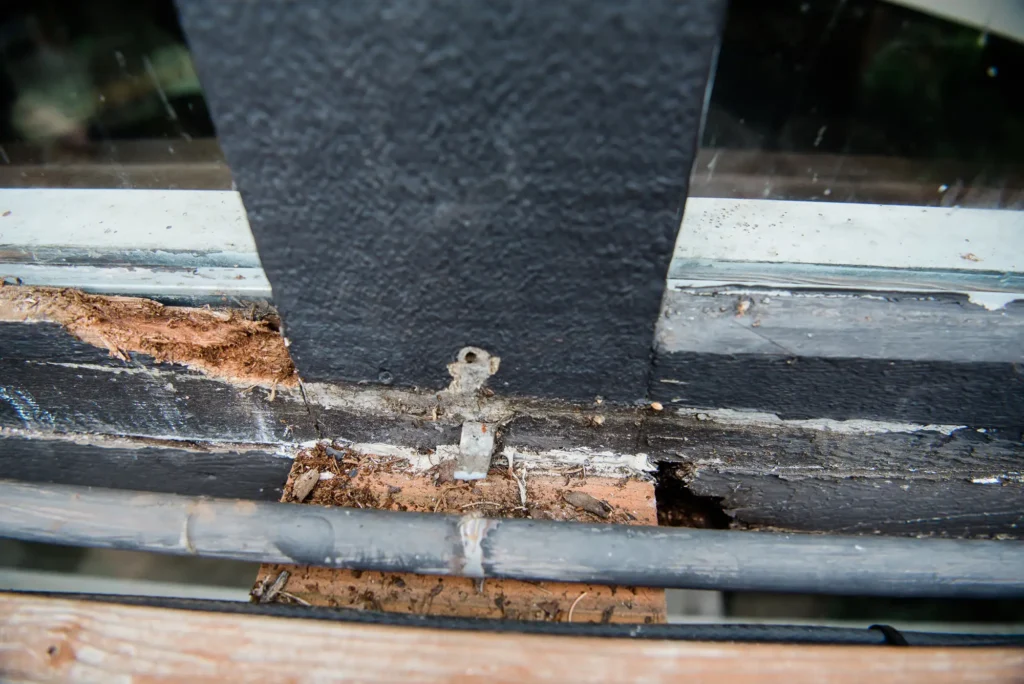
(223,343)
(346,478)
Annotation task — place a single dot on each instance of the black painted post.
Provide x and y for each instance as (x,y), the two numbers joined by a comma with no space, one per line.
(423,175)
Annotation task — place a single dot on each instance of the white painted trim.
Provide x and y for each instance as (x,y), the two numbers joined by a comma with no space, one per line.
(753,286)
(112,220)
(250,283)
(1002,17)
(834,233)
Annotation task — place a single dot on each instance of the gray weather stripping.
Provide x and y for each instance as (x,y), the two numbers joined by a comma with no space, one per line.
(521,549)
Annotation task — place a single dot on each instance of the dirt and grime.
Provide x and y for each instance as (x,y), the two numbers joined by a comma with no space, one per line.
(227,343)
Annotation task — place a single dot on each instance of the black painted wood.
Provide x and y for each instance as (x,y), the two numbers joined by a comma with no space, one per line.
(51,382)
(919,507)
(900,504)
(882,356)
(244,473)
(793,451)
(67,395)
(936,392)
(423,175)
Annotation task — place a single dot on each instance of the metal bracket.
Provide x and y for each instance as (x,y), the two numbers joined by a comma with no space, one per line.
(475,449)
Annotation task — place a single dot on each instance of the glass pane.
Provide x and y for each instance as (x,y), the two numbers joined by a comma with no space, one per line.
(867,101)
(102,94)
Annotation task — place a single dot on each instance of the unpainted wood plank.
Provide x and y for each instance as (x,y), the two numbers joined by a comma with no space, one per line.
(65,640)
(366,481)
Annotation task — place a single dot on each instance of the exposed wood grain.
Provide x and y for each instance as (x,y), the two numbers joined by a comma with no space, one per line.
(61,640)
(359,481)
(52,382)
(462,597)
(226,343)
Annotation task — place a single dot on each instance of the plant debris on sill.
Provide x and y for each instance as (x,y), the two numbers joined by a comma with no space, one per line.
(347,478)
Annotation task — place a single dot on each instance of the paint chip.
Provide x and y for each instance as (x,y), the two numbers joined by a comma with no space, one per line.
(304,484)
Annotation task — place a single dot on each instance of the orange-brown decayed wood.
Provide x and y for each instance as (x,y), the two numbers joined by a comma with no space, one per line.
(225,343)
(386,483)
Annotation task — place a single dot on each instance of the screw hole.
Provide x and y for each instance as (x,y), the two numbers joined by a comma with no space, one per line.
(52,650)
(470,357)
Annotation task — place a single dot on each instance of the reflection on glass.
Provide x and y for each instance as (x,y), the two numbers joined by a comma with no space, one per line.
(102,94)
(863,101)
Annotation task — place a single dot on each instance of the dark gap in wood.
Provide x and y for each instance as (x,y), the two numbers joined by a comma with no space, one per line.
(680,507)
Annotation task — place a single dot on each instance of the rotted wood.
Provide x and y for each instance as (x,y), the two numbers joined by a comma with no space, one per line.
(62,398)
(376,482)
(65,640)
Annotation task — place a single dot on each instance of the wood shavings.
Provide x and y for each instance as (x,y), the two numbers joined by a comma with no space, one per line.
(572,608)
(304,484)
(586,502)
(262,593)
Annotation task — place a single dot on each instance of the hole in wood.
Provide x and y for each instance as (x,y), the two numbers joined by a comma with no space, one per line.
(679,507)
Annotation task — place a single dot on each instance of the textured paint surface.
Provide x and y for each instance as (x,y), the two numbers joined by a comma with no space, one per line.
(421,176)
(791,386)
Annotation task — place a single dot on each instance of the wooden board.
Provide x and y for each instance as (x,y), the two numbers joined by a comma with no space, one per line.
(930,359)
(374,482)
(817,475)
(64,640)
(242,471)
(519,177)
